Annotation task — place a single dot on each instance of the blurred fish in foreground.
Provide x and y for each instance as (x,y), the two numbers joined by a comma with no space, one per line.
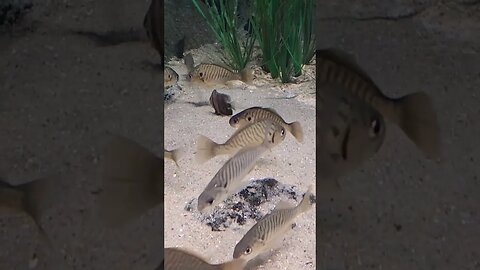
(413,113)
(132,182)
(350,118)
(179,259)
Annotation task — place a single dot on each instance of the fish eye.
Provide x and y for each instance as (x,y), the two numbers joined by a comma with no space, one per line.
(375,127)
(249,118)
(283,132)
(210,201)
(201,74)
(248,250)
(235,120)
(169,76)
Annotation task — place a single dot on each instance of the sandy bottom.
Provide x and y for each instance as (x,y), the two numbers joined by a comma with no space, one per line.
(291,163)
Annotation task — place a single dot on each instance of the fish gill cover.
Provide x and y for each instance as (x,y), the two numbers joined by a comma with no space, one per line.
(247,203)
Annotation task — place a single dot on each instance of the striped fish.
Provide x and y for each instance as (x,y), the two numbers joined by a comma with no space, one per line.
(180,259)
(228,179)
(270,228)
(250,135)
(413,113)
(255,114)
(212,74)
(170,77)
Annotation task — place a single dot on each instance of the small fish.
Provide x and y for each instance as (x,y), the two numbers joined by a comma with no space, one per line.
(170,77)
(250,135)
(270,228)
(153,25)
(255,114)
(413,113)
(348,132)
(228,179)
(132,182)
(212,74)
(179,259)
(174,155)
(221,103)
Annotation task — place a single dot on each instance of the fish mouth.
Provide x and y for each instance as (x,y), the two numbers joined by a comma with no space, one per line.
(345,144)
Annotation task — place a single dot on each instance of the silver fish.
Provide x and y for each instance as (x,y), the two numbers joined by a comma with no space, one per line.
(270,228)
(180,259)
(228,178)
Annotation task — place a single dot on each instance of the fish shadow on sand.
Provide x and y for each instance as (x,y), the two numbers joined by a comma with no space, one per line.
(198,104)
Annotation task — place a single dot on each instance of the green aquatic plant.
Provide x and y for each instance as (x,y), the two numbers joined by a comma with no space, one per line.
(221,17)
(284,30)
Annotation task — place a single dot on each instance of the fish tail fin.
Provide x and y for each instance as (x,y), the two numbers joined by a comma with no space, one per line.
(132,184)
(307,201)
(417,118)
(246,75)
(177,154)
(236,264)
(296,130)
(33,202)
(205,149)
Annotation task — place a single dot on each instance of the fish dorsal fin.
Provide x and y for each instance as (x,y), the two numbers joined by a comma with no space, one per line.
(271,110)
(343,58)
(188,59)
(282,205)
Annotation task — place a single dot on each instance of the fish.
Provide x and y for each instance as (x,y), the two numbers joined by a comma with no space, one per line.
(348,132)
(414,113)
(250,135)
(170,77)
(132,179)
(174,155)
(180,259)
(228,178)
(213,74)
(270,228)
(153,25)
(221,103)
(255,114)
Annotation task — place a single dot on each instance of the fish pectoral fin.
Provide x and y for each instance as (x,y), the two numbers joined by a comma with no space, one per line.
(282,205)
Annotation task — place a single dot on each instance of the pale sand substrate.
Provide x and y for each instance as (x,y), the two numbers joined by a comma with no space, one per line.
(291,163)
